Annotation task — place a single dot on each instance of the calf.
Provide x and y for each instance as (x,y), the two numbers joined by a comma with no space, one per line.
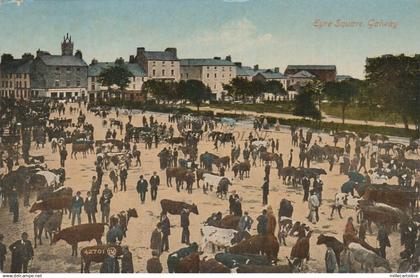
(84,232)
(368,259)
(175,208)
(96,254)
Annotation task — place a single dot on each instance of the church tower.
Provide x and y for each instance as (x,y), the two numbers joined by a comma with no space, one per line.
(67,46)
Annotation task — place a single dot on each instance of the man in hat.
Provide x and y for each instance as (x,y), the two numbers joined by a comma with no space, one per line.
(142,188)
(105,203)
(153,264)
(14,204)
(265,190)
(166,231)
(126,260)
(154,183)
(76,208)
(22,253)
(90,207)
(185,223)
(156,239)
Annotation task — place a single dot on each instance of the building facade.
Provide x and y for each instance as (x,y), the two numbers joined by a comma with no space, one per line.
(15,76)
(214,73)
(60,76)
(97,91)
(162,65)
(324,73)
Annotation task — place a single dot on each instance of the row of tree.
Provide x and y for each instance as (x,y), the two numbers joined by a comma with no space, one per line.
(243,89)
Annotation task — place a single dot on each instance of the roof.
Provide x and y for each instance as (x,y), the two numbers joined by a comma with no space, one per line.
(343,77)
(95,69)
(269,74)
(160,55)
(206,62)
(17,66)
(302,74)
(311,67)
(58,60)
(245,71)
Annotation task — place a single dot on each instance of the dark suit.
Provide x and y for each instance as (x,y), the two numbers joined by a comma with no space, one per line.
(90,208)
(166,231)
(22,253)
(154,183)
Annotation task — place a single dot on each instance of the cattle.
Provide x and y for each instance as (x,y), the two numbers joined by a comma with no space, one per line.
(123,218)
(175,140)
(264,244)
(39,222)
(301,248)
(189,264)
(368,259)
(97,254)
(200,173)
(175,257)
(55,203)
(396,196)
(222,161)
(53,223)
(83,146)
(243,168)
(381,214)
(258,144)
(289,227)
(349,238)
(221,183)
(268,157)
(50,193)
(286,208)
(220,237)
(234,260)
(84,232)
(175,172)
(175,208)
(330,241)
(212,266)
(290,267)
(227,222)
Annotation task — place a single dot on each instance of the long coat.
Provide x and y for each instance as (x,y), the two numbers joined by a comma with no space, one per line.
(156,240)
(127,262)
(21,252)
(110,265)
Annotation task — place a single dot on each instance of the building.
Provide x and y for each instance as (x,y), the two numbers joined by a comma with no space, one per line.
(163,65)
(321,72)
(300,78)
(60,76)
(15,76)
(214,73)
(340,78)
(97,91)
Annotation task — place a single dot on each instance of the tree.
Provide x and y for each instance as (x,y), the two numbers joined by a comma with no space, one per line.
(341,93)
(194,91)
(305,103)
(156,88)
(275,87)
(117,74)
(254,89)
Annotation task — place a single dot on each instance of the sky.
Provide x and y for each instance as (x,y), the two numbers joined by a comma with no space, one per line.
(270,33)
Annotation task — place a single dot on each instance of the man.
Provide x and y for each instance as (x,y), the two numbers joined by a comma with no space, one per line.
(154,183)
(22,253)
(349,231)
(114,178)
(110,264)
(237,206)
(244,225)
(123,179)
(313,205)
(330,260)
(90,207)
(383,240)
(63,156)
(265,190)
(153,264)
(262,223)
(106,203)
(290,158)
(156,239)
(279,163)
(142,188)
(362,230)
(185,223)
(346,261)
(126,261)
(362,163)
(14,204)
(318,187)
(3,252)
(338,205)
(166,231)
(76,208)
(267,169)
(306,183)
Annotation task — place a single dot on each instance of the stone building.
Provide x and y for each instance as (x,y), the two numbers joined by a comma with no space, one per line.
(212,72)
(97,91)
(321,72)
(60,76)
(15,76)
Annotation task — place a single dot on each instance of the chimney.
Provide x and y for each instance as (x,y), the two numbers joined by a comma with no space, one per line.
(216,58)
(131,59)
(229,58)
(238,64)
(256,67)
(94,61)
(276,70)
(171,50)
(140,50)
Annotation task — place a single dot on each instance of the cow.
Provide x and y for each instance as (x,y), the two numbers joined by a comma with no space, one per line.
(200,173)
(264,244)
(189,264)
(301,248)
(81,146)
(39,222)
(123,218)
(84,232)
(287,226)
(227,222)
(56,203)
(175,140)
(234,260)
(175,172)
(220,237)
(268,157)
(330,241)
(175,208)
(380,213)
(368,259)
(53,224)
(97,254)
(392,195)
(212,266)
(290,267)
(242,168)
(222,161)
(175,257)
(50,193)
(221,183)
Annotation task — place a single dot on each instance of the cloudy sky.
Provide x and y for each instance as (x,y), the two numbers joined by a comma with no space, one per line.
(266,32)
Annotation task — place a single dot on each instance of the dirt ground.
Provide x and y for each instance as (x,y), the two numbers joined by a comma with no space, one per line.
(57,258)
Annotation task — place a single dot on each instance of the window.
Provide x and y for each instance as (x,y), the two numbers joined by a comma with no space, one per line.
(68,69)
(230,68)
(154,72)
(215,86)
(11,84)
(78,83)
(208,75)
(67,83)
(230,75)
(134,86)
(93,87)
(223,76)
(215,75)
(77,69)
(172,62)
(223,68)
(215,67)
(187,75)
(163,62)
(208,67)
(163,72)
(57,69)
(173,72)
(57,83)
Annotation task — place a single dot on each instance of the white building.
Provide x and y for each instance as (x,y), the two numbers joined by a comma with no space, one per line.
(163,65)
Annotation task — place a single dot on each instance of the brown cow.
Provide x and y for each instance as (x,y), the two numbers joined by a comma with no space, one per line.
(174,172)
(84,232)
(123,218)
(222,161)
(265,244)
(301,248)
(212,266)
(48,220)
(96,254)
(244,168)
(189,264)
(82,147)
(330,241)
(392,195)
(268,157)
(56,203)
(229,222)
(348,238)
(174,207)
(176,140)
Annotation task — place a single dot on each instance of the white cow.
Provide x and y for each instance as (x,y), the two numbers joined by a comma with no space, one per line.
(218,237)
(368,259)
(259,144)
(219,182)
(51,178)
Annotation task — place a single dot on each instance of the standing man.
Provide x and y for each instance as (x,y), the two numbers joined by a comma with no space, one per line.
(185,223)
(63,156)
(154,183)
(338,205)
(156,239)
(99,173)
(22,253)
(290,158)
(313,205)
(90,207)
(76,208)
(262,223)
(306,183)
(330,260)
(142,188)
(175,157)
(265,190)
(14,204)
(126,261)
(244,225)
(106,203)
(3,252)
(166,231)
(383,240)
(362,163)
(123,179)
(267,169)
